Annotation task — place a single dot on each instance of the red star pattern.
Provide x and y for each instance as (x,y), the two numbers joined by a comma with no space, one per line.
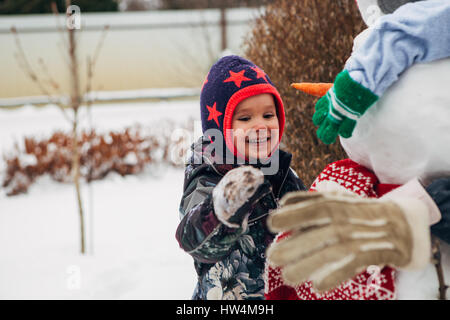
(237,78)
(214,114)
(260,73)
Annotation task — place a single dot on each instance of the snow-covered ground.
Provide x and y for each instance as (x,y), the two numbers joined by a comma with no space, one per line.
(133,251)
(131,222)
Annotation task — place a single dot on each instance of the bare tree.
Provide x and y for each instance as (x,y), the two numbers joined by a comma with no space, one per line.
(77,97)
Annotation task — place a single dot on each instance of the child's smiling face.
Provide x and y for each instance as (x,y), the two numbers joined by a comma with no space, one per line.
(255,126)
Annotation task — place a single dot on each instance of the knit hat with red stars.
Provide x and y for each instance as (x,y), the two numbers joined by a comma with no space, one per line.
(231,80)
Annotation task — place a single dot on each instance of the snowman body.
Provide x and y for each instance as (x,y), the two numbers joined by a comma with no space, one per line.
(405,135)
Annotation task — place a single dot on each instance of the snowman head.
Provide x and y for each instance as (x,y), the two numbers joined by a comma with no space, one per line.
(406,134)
(372,10)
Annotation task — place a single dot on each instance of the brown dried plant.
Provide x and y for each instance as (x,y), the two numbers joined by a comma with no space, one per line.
(304,40)
(125,152)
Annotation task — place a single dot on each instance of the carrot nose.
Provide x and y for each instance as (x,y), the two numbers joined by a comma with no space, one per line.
(315,89)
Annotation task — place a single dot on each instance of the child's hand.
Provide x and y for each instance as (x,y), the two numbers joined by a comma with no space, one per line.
(234,195)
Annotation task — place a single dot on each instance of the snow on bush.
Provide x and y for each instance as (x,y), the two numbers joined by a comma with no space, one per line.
(125,152)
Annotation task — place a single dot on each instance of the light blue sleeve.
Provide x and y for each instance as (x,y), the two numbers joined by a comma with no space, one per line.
(417,32)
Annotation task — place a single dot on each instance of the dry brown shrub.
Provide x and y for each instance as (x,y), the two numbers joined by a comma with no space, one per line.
(304,40)
(125,152)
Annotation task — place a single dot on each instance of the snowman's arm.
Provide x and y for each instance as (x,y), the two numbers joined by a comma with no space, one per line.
(439,190)
(436,197)
(415,190)
(417,32)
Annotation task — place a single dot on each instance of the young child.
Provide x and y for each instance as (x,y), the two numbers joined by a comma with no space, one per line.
(227,197)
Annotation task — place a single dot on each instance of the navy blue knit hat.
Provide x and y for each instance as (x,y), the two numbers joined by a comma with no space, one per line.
(231,80)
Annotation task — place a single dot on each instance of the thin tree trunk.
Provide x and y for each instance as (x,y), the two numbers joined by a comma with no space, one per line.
(223,27)
(75,98)
(438,265)
(76,178)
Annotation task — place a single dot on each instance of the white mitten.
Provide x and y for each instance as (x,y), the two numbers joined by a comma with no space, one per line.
(236,192)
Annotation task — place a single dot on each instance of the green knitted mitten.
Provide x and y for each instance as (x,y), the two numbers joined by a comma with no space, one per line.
(337,111)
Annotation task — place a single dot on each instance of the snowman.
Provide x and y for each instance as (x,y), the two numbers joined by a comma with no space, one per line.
(366,233)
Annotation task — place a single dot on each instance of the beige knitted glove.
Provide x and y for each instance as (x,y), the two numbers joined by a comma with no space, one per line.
(336,236)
